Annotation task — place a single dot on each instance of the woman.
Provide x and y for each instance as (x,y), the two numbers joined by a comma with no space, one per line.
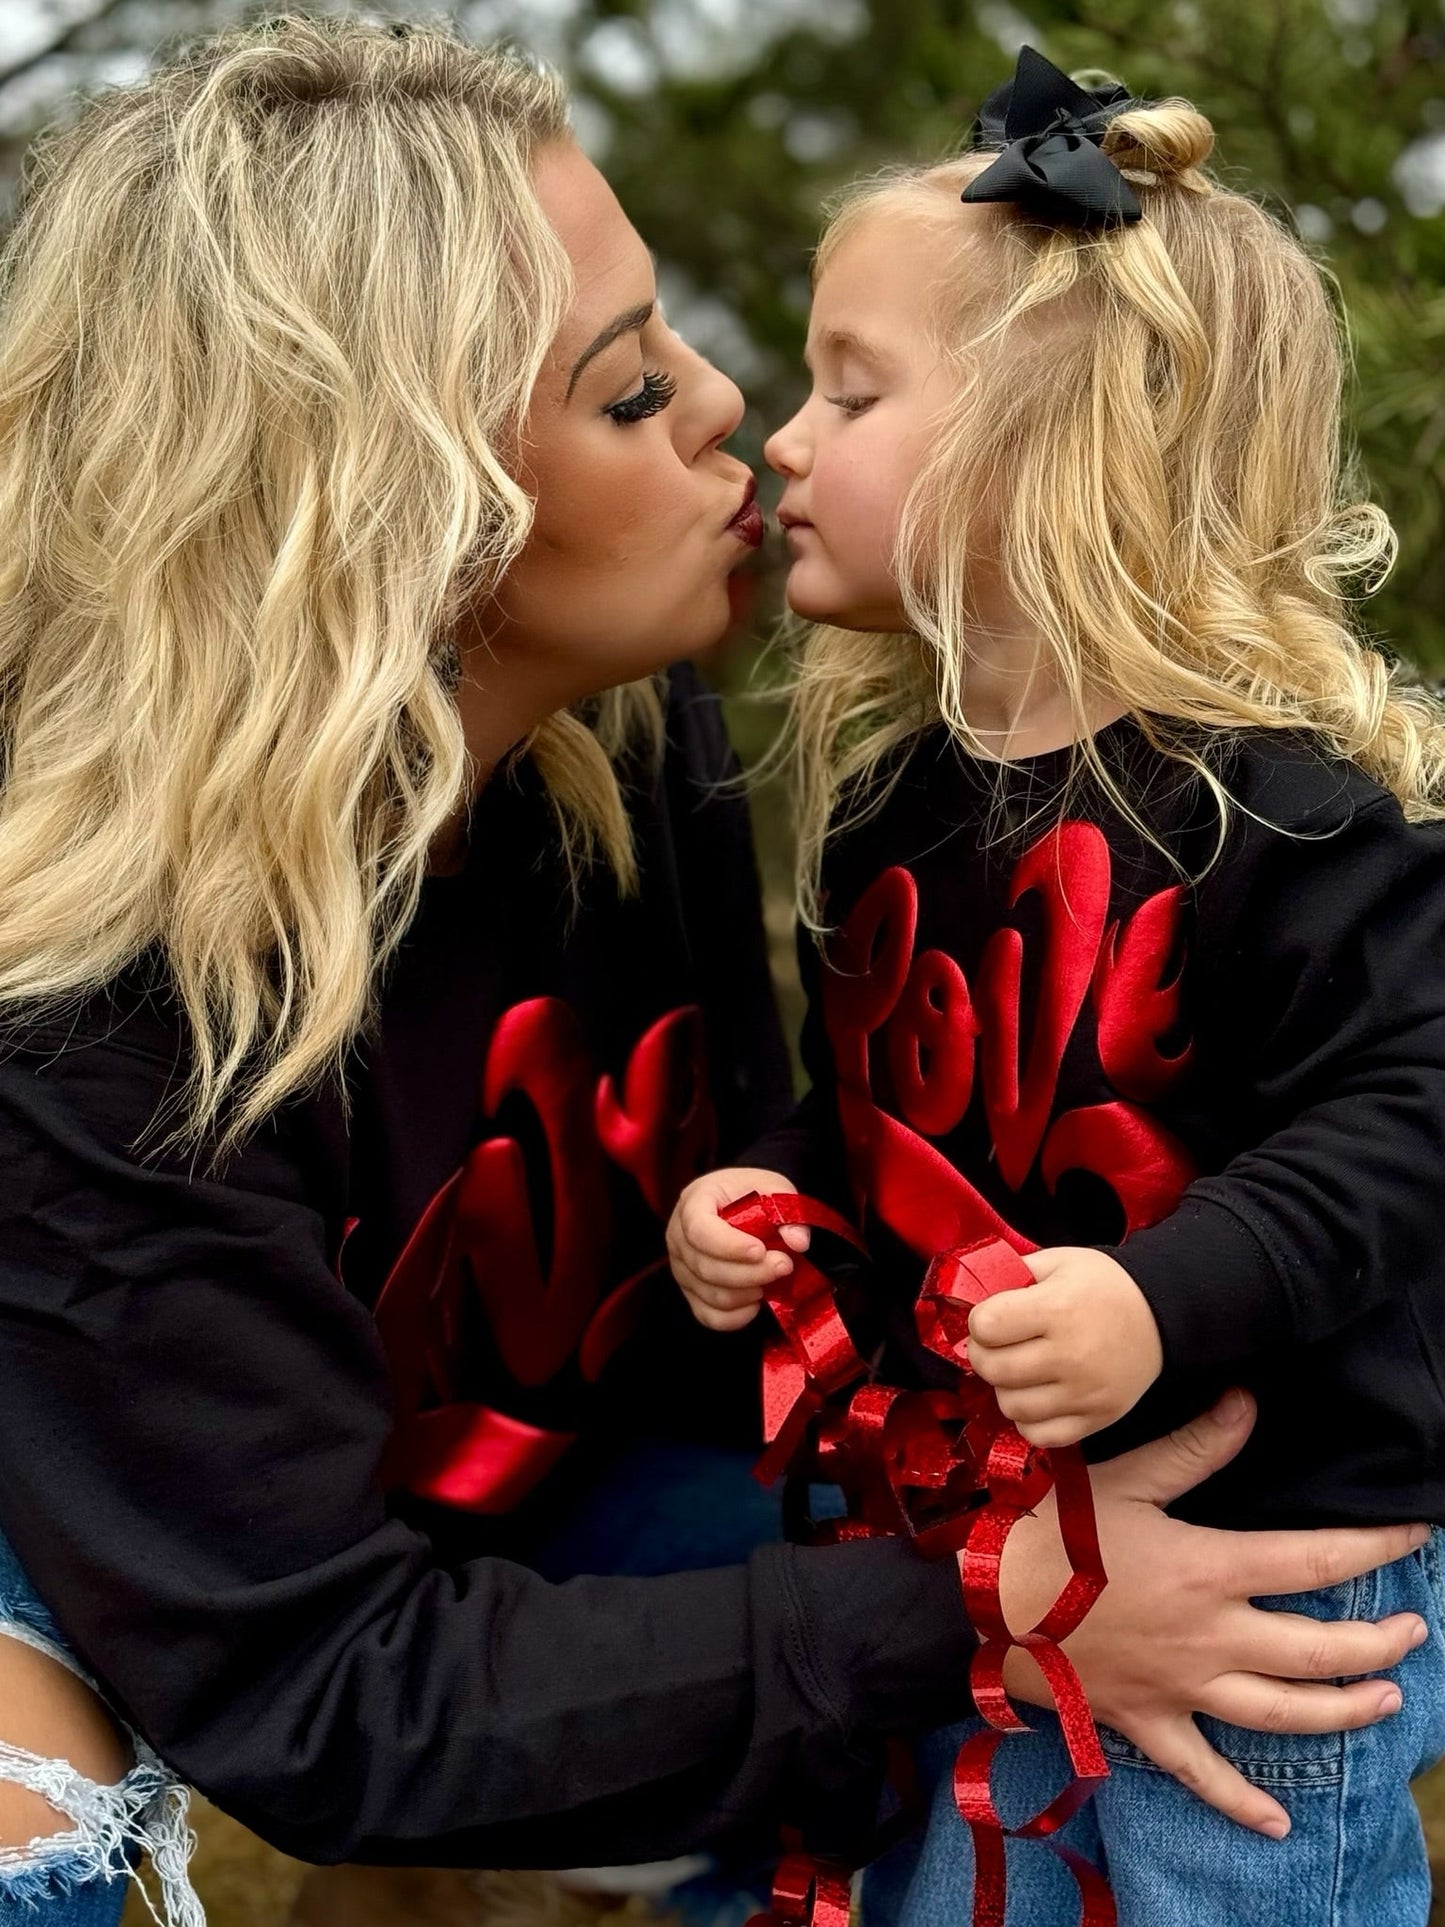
(358,987)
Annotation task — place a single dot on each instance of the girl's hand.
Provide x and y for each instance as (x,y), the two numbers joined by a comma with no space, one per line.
(1174,1633)
(1072,1353)
(724,1271)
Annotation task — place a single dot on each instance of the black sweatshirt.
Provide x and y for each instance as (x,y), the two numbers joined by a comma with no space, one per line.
(195,1414)
(1230,1075)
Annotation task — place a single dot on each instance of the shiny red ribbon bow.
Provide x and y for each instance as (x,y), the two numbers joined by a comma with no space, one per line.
(947,1448)
(812,1357)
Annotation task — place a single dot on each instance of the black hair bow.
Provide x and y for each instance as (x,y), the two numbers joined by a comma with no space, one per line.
(1050,131)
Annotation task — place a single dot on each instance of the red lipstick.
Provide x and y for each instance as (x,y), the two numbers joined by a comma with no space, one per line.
(747,524)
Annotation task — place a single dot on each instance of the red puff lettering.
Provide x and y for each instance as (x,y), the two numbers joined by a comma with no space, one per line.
(1144,1165)
(662,1129)
(931,1045)
(920,1196)
(940,1042)
(868,965)
(1135,1004)
(537,1052)
(1069,870)
(914,1189)
(478,1235)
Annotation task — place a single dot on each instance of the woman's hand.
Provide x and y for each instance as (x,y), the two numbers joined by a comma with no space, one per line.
(723,1271)
(1174,1633)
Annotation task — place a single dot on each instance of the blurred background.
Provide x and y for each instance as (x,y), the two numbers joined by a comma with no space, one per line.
(723,124)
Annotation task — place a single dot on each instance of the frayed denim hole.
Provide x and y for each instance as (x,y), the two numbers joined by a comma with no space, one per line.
(48,1876)
(27,1615)
(142,1814)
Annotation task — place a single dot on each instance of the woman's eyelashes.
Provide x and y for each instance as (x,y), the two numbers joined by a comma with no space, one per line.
(657,390)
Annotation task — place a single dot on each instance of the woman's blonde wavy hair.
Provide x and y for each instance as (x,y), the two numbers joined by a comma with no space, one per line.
(271,322)
(1145,432)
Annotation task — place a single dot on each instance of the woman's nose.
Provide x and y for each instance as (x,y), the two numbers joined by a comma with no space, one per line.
(786,449)
(730,405)
(716,406)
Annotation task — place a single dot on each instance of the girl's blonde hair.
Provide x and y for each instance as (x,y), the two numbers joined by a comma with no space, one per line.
(1145,432)
(271,324)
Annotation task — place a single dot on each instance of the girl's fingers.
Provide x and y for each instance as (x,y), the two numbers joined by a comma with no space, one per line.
(1013,1367)
(1034,1404)
(718,1300)
(720,1297)
(1288,1706)
(714,1237)
(735,1277)
(1067,1429)
(797,1237)
(722,1321)
(1008,1318)
(1292,1646)
(1180,1748)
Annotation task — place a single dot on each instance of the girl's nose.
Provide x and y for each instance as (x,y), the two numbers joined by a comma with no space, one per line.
(787,449)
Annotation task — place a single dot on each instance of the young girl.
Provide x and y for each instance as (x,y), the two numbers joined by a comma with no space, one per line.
(1125,856)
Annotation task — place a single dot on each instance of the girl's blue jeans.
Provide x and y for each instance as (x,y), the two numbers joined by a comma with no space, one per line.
(1354,1856)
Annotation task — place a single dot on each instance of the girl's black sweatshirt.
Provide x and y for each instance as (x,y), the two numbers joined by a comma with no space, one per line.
(1046,1019)
(274,1439)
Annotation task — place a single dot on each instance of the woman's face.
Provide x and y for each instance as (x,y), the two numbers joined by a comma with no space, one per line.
(640,516)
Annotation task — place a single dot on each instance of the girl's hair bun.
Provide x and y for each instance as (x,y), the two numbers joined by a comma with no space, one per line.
(1160,145)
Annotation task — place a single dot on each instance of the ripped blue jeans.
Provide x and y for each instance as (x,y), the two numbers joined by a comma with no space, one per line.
(79,1876)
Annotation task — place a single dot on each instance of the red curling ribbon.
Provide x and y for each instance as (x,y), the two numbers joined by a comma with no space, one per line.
(814,1356)
(808,1892)
(950,1470)
(1017,1476)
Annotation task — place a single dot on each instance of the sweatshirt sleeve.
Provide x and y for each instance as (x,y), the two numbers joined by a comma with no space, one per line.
(192,1415)
(1328,1030)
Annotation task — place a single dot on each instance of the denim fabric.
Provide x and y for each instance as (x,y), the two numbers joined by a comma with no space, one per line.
(61,1892)
(79,1876)
(1355,1855)
(20,1603)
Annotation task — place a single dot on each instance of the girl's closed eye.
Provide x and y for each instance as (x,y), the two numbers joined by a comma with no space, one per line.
(851,404)
(657,391)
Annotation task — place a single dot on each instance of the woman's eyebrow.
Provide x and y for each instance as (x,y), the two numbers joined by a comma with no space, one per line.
(624,324)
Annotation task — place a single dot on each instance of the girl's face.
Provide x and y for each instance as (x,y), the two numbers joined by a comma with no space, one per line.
(851,452)
(640,516)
